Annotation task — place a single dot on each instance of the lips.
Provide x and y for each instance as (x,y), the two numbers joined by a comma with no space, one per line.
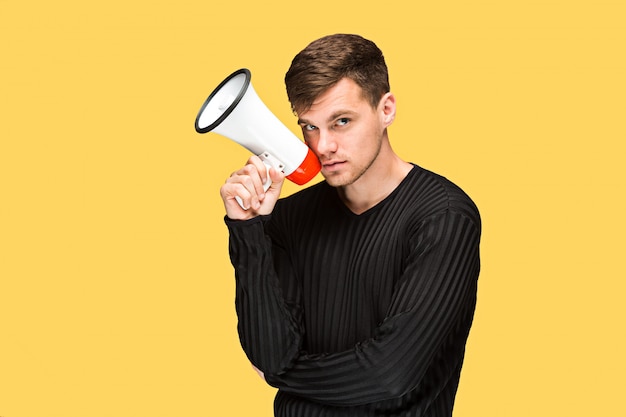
(328,164)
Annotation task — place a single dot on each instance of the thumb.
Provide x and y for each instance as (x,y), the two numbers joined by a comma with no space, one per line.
(278,178)
(272,194)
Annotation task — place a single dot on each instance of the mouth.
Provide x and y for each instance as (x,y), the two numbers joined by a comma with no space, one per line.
(332,165)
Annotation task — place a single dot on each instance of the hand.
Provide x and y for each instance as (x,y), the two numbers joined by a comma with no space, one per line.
(247,184)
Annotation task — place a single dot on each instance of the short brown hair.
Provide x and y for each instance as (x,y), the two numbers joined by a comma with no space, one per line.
(326,61)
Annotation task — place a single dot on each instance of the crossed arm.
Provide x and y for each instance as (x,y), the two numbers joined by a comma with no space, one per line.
(430,313)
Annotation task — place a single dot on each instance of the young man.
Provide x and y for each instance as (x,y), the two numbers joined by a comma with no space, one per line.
(356,295)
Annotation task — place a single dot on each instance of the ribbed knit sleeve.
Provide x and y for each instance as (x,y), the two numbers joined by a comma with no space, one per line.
(269,331)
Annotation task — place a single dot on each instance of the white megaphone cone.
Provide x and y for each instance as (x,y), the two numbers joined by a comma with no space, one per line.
(235,111)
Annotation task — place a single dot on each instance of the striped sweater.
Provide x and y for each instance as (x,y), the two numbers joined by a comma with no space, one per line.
(360,315)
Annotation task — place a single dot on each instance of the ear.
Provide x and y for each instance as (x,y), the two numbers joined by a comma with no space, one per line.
(387,108)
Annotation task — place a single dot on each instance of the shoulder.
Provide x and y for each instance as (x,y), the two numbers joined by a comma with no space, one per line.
(429,193)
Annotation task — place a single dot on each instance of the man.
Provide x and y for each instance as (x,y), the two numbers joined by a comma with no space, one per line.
(355,296)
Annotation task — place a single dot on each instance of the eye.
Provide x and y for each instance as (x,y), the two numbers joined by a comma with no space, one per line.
(309,128)
(343,121)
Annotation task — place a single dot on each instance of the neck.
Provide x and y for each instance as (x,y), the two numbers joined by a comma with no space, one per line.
(381,178)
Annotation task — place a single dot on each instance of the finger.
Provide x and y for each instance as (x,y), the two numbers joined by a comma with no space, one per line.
(276,176)
(235,207)
(251,178)
(260,166)
(243,187)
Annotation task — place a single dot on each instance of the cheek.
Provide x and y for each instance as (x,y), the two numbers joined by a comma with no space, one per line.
(311,142)
(367,142)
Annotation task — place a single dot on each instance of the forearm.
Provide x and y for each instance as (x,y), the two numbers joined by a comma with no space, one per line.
(400,358)
(424,332)
(269,333)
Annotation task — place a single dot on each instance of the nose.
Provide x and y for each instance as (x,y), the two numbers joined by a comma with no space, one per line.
(326,143)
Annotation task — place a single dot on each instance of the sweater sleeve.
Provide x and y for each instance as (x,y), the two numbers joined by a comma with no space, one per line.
(433,300)
(269,327)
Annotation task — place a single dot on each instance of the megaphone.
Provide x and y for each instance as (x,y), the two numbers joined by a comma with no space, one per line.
(235,111)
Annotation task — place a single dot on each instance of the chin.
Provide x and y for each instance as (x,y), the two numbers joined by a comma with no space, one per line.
(333,180)
(339,180)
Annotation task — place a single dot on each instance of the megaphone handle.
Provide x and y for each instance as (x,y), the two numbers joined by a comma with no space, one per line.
(269,162)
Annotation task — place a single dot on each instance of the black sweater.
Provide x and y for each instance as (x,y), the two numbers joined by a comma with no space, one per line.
(360,315)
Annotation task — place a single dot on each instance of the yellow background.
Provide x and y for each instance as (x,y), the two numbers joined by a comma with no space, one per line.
(116,293)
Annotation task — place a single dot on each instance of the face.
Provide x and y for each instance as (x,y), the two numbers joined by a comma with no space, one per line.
(346,132)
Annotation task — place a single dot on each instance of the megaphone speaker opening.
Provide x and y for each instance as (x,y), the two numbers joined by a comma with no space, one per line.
(223,100)
(235,111)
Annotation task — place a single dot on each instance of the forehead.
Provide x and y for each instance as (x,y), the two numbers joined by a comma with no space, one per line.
(345,96)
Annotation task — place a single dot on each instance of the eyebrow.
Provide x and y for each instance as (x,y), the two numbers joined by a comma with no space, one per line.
(332,117)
